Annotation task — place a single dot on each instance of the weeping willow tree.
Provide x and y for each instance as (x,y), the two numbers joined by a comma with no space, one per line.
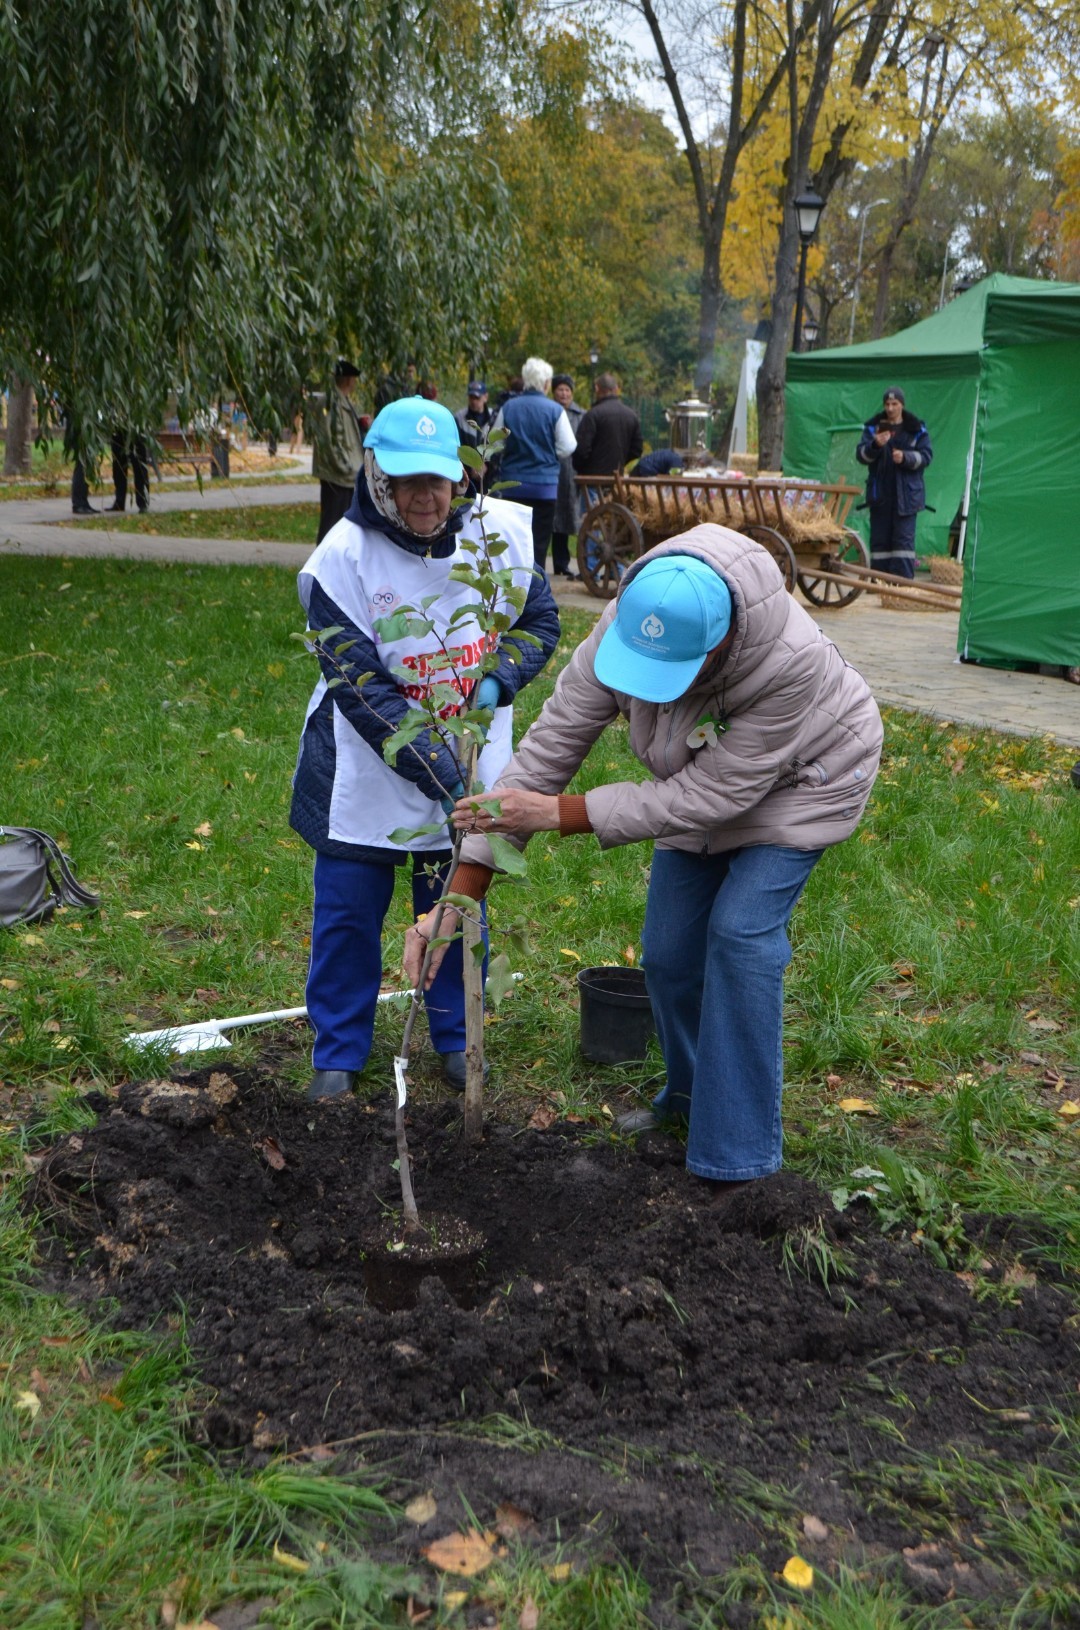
(206,197)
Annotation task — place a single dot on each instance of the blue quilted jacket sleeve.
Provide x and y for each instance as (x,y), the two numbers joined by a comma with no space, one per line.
(539,616)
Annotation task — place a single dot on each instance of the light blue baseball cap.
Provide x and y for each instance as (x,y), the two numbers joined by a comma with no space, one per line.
(413,436)
(669,617)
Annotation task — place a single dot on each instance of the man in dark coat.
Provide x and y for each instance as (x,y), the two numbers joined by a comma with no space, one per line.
(609,435)
(896,448)
(476,413)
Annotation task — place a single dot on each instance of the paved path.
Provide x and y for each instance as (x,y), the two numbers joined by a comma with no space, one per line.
(909,658)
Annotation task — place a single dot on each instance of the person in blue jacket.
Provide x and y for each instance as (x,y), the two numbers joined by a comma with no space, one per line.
(896,448)
(399,546)
(540,435)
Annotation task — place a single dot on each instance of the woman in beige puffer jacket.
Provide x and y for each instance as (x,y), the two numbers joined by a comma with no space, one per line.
(765,756)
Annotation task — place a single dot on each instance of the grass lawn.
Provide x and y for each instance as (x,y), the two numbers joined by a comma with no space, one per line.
(268,523)
(149,719)
(50,474)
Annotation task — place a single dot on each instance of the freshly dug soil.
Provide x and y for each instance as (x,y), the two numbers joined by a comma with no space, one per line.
(645,1359)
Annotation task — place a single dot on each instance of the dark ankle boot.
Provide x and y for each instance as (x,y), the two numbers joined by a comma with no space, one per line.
(330,1084)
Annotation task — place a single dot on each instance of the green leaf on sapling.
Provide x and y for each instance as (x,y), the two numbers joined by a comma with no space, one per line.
(331,684)
(402,623)
(496,547)
(478,952)
(470,457)
(462,902)
(500,980)
(402,836)
(323,635)
(506,857)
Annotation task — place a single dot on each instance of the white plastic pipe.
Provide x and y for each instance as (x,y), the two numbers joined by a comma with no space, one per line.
(205,1035)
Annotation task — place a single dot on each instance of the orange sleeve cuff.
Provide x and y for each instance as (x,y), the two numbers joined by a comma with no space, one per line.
(472,880)
(573,814)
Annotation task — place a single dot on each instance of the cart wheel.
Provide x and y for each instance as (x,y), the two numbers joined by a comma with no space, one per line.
(609,540)
(835,595)
(779,549)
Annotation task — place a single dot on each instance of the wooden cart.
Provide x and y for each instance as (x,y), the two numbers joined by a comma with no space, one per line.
(801,523)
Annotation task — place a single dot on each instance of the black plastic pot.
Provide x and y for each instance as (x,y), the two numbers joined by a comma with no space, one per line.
(616,1015)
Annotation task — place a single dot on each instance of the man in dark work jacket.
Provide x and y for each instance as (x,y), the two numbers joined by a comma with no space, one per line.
(609,436)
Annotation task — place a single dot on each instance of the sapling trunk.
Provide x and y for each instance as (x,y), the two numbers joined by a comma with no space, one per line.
(472,940)
(408,1199)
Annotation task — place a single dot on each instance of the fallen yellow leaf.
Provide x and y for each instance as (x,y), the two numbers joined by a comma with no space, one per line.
(194,844)
(1069,1107)
(287,1560)
(453,1599)
(136,914)
(28,1401)
(562,952)
(422,1509)
(857,1106)
(203,830)
(529,1617)
(630,955)
(798,1573)
(32,939)
(10,984)
(559,1571)
(466,1554)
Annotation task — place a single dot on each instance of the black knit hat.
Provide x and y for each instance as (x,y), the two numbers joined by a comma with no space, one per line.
(894,390)
(562,379)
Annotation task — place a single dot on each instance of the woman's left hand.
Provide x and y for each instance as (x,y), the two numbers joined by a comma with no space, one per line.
(513,812)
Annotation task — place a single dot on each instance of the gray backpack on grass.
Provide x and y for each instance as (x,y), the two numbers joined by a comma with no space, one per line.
(36,877)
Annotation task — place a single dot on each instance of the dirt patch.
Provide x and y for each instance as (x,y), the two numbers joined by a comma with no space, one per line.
(635,1357)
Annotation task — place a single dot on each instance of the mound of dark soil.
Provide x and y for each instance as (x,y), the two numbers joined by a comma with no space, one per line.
(644,1358)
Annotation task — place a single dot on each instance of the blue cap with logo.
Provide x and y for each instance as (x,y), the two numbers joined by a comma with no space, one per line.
(415,437)
(670,615)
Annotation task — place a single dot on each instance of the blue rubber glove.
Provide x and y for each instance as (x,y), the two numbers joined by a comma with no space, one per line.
(487,693)
(456,791)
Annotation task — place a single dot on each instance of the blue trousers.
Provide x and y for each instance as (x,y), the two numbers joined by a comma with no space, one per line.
(715,949)
(352,898)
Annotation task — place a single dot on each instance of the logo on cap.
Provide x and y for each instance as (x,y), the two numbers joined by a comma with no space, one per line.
(426,427)
(652,627)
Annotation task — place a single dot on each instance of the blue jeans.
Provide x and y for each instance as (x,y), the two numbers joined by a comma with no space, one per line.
(352,898)
(715,949)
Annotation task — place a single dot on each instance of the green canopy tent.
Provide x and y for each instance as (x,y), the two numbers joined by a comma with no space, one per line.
(993,375)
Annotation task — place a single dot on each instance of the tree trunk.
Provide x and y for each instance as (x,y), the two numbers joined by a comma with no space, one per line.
(708,317)
(771,375)
(881,297)
(20,417)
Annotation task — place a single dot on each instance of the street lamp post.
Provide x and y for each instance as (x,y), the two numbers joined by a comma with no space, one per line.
(594,358)
(858,264)
(808,207)
(810,332)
